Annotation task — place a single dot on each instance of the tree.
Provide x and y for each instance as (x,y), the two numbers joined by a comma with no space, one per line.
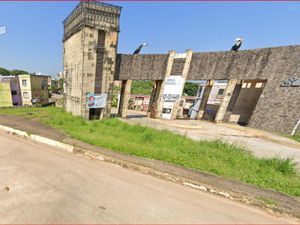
(141,87)
(190,89)
(7,72)
(4,71)
(18,72)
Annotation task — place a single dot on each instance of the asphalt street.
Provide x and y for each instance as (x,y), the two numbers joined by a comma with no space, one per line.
(41,184)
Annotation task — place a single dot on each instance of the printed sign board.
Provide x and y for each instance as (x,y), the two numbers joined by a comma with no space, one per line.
(167,110)
(173,88)
(172,93)
(95,101)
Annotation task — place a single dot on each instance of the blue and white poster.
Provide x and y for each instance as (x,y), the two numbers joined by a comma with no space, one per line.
(95,101)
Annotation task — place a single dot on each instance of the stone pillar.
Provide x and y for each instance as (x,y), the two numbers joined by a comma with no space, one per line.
(204,100)
(232,101)
(90,47)
(185,72)
(124,98)
(226,99)
(156,107)
(153,98)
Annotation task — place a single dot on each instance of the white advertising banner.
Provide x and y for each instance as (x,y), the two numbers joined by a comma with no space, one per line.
(173,88)
(172,93)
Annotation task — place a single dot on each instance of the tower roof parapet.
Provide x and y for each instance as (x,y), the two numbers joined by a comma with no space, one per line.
(98,15)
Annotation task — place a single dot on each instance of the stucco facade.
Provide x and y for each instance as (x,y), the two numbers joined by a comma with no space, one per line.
(33,88)
(5,92)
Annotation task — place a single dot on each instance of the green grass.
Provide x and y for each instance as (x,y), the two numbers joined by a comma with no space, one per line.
(211,156)
(296,137)
(266,200)
(141,87)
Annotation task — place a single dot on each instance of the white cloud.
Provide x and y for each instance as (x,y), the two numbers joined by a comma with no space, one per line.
(2,30)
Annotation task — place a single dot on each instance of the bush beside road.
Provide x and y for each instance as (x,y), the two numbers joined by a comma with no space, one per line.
(210,156)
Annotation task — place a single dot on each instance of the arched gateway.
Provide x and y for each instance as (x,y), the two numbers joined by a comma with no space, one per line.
(262,85)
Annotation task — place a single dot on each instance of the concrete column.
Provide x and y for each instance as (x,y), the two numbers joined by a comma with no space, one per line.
(156,107)
(232,101)
(204,100)
(153,98)
(124,98)
(226,99)
(185,71)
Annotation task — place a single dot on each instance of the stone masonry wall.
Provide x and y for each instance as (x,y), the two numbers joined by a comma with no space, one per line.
(141,67)
(73,57)
(90,43)
(278,108)
(177,67)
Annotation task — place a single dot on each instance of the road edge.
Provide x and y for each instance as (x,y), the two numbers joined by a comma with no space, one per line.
(187,177)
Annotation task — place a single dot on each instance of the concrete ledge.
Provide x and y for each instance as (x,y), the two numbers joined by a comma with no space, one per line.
(53,143)
(38,138)
(14,131)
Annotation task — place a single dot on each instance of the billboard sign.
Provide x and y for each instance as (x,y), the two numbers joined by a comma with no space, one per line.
(173,88)
(172,93)
(95,101)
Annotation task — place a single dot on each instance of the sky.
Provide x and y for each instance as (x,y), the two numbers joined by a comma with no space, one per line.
(33,41)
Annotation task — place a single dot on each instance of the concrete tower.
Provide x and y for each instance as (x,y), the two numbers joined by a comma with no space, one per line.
(90,47)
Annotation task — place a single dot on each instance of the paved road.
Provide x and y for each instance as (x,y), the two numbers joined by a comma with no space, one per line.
(261,143)
(39,184)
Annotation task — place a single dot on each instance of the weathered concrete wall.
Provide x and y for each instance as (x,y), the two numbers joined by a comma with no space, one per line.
(90,45)
(178,66)
(249,94)
(277,109)
(73,67)
(141,67)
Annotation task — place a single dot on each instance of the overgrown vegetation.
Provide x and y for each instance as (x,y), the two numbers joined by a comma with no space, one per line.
(141,87)
(116,91)
(215,157)
(190,89)
(266,200)
(296,137)
(7,72)
(144,87)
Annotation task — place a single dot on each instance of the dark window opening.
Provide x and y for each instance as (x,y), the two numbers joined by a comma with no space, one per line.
(221,92)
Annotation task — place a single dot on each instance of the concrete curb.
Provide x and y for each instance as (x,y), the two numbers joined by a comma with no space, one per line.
(14,131)
(285,205)
(38,138)
(51,142)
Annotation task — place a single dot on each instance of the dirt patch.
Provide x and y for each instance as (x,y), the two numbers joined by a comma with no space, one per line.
(32,127)
(271,200)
